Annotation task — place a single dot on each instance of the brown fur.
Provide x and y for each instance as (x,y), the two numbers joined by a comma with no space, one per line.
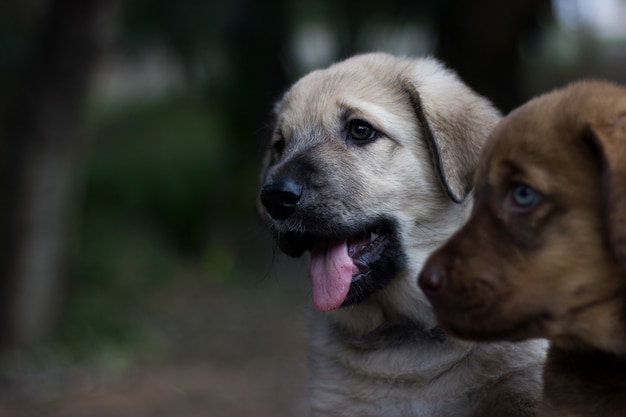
(554,269)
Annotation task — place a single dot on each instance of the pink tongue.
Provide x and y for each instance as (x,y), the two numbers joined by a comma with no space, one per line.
(330,273)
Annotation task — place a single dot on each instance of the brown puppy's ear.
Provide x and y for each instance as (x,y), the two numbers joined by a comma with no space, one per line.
(610,138)
(455,121)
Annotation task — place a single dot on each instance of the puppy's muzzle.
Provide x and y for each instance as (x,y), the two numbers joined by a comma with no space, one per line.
(280,197)
(432,279)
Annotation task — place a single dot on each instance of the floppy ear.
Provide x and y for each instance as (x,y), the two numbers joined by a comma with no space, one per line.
(455,121)
(610,138)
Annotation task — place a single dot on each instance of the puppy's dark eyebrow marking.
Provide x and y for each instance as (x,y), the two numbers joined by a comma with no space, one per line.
(348,112)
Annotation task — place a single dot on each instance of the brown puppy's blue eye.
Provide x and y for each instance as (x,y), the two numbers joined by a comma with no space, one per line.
(361,132)
(525,196)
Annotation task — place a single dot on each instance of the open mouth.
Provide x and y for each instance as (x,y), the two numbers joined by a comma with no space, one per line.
(364,251)
(347,268)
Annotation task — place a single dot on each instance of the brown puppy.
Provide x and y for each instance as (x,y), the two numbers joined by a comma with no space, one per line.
(544,251)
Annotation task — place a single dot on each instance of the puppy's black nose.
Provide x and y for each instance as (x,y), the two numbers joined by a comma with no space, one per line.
(432,278)
(281,197)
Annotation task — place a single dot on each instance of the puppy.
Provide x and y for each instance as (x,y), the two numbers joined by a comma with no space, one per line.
(544,252)
(368,170)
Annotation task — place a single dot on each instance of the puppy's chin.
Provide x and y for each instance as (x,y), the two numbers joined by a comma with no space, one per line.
(495,329)
(374,250)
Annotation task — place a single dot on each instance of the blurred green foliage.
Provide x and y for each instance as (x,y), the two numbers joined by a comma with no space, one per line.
(159,164)
(151,180)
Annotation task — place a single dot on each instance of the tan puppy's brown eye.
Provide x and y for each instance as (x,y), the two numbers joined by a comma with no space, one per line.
(360,131)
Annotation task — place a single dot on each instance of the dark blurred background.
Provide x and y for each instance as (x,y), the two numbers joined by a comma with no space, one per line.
(135,278)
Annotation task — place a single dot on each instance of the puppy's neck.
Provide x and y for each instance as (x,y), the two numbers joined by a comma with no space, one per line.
(374,324)
(600,326)
(584,383)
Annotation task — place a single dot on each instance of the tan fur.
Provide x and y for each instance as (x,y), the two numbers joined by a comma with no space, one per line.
(384,355)
(556,269)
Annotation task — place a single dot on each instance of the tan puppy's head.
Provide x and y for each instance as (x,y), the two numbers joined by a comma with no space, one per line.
(544,251)
(367,158)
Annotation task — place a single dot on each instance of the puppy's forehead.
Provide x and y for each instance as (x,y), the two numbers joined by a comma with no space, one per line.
(522,139)
(546,133)
(352,84)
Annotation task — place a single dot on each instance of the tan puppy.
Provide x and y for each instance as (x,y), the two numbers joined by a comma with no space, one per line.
(369,169)
(544,252)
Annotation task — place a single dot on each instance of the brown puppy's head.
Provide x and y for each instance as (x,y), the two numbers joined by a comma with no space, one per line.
(543,254)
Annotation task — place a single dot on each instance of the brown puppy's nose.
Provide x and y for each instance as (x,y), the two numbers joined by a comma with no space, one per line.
(432,277)
(281,197)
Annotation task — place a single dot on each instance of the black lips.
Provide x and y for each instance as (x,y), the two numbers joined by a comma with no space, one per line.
(379,272)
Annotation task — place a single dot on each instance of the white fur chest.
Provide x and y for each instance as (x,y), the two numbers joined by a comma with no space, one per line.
(420,375)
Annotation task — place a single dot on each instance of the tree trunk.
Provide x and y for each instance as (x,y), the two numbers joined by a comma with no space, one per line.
(481,41)
(43,136)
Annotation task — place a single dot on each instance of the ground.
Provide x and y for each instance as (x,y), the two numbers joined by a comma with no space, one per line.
(217,351)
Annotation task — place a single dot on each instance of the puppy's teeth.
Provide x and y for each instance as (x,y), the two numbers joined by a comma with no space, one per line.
(373,237)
